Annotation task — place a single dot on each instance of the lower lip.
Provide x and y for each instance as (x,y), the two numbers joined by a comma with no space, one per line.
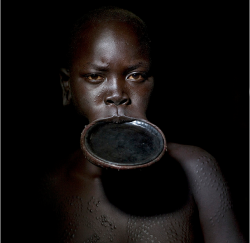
(111,146)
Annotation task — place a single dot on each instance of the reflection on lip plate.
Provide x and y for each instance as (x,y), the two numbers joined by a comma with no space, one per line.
(122,143)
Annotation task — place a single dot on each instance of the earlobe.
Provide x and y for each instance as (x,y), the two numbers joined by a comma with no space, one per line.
(65,84)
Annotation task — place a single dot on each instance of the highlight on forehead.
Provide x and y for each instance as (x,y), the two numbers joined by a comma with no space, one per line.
(102,15)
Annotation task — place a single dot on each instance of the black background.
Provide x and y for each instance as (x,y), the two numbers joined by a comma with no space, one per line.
(200,97)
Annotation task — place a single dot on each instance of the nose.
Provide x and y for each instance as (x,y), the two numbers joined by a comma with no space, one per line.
(117,100)
(117,94)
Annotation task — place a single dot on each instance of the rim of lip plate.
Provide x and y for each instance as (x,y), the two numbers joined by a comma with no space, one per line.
(96,160)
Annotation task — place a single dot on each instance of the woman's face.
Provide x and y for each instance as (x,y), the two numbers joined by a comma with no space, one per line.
(109,76)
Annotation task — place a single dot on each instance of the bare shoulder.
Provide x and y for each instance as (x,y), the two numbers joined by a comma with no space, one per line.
(210,192)
(199,166)
(188,155)
(203,173)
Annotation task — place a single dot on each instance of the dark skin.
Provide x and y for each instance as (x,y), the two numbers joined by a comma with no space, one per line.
(181,198)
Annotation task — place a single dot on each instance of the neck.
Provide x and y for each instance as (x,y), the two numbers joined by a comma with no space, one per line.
(79,166)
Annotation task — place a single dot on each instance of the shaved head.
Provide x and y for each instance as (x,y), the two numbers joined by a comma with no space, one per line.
(105,15)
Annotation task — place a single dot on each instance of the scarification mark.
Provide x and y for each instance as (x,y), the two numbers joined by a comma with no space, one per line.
(94,238)
(173,227)
(93,205)
(210,178)
(70,218)
(101,225)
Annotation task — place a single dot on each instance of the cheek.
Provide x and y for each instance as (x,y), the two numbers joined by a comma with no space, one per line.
(86,98)
(142,95)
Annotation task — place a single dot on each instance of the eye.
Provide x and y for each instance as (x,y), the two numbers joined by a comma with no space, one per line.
(136,77)
(94,77)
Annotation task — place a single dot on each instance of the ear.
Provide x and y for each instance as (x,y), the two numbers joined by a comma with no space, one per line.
(64,80)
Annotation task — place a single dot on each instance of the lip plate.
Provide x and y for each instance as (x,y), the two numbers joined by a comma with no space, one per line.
(97,160)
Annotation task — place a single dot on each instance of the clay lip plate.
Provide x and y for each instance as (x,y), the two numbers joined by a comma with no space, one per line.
(122,143)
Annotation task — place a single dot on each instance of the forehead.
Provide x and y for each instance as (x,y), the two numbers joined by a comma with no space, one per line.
(109,39)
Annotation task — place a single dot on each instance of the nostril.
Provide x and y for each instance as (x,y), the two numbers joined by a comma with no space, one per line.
(116,102)
(125,102)
(109,102)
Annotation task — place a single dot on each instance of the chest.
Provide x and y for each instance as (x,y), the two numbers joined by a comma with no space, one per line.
(96,211)
(98,221)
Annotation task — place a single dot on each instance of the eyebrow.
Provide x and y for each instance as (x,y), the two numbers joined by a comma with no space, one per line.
(97,66)
(130,68)
(135,66)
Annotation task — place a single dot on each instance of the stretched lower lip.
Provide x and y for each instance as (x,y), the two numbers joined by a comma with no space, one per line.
(101,143)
